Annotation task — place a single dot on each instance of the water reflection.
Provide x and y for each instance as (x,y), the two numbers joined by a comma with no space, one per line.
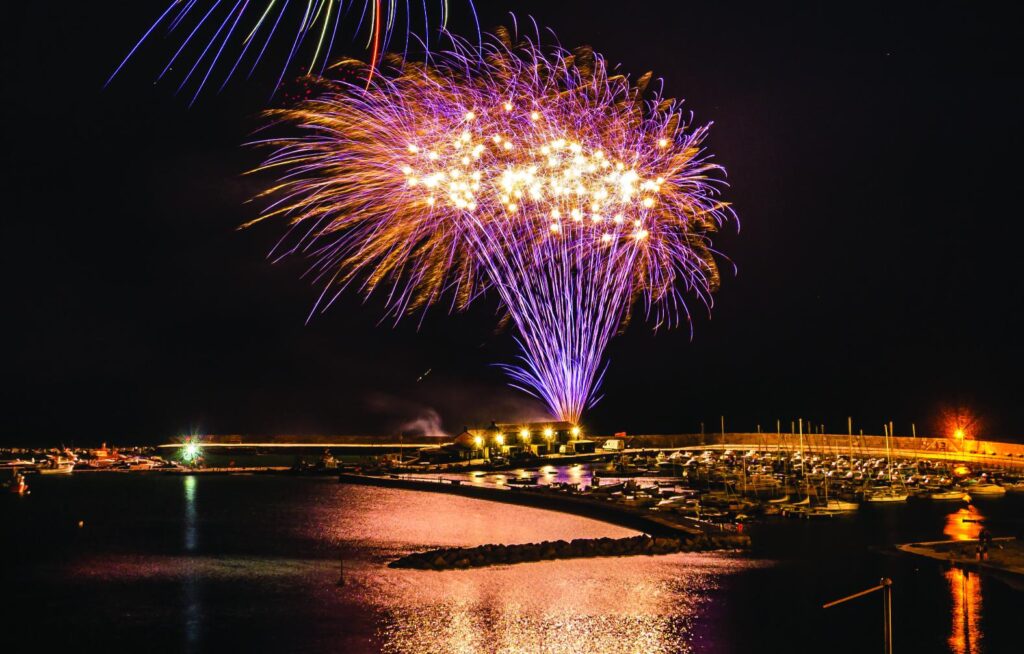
(965,588)
(191,539)
(964,524)
(556,606)
(193,608)
(636,604)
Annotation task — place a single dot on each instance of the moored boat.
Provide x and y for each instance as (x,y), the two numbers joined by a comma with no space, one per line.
(987,490)
(840,506)
(886,495)
(56,465)
(950,495)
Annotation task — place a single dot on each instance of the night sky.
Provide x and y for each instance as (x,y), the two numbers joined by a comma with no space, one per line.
(874,156)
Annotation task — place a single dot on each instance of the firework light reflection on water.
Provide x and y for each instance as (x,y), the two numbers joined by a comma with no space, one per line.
(287,573)
(637,605)
(642,604)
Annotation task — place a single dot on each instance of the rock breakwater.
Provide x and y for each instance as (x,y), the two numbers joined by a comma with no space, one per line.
(484,555)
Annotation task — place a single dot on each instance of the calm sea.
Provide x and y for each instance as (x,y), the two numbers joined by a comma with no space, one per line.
(251,563)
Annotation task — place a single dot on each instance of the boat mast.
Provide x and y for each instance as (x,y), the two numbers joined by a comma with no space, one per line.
(803,464)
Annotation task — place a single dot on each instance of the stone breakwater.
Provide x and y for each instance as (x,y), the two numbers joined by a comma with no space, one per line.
(484,555)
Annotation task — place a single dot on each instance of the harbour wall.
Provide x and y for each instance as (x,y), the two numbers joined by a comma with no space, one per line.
(970,451)
(285,450)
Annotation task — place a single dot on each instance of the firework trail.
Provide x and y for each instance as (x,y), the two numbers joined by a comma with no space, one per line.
(243,30)
(524,170)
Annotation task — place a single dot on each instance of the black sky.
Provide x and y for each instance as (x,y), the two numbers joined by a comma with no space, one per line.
(874,156)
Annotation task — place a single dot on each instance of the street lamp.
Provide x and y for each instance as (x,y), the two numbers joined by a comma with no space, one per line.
(575,432)
(191,453)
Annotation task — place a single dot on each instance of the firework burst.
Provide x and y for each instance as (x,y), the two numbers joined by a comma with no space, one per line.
(524,170)
(237,33)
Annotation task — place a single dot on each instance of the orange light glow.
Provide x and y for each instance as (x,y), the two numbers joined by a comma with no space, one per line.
(957,529)
(959,423)
(965,589)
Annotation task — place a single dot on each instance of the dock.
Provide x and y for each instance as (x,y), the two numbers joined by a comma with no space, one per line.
(1005,557)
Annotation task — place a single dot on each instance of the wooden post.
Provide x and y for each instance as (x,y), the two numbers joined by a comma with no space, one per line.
(885,585)
(887,614)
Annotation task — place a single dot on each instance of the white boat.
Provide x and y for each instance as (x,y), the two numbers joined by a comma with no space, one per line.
(18,463)
(56,465)
(950,495)
(987,489)
(840,506)
(886,495)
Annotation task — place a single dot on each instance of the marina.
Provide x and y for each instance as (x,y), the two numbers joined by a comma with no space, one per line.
(277,539)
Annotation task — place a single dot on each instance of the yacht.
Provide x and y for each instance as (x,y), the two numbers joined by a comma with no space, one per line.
(950,495)
(987,489)
(886,495)
(56,465)
(840,506)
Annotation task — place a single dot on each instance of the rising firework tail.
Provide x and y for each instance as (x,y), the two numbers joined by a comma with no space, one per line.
(220,38)
(576,196)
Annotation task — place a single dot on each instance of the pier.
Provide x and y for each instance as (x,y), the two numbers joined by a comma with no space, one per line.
(1004,559)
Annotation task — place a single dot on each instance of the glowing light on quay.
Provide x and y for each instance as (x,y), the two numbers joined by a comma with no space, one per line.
(524,171)
(191,452)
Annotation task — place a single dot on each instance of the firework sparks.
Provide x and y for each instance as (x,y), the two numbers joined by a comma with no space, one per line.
(524,170)
(216,32)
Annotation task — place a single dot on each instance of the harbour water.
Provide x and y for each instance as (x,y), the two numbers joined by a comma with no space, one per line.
(251,562)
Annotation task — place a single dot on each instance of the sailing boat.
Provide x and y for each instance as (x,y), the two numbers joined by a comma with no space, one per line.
(888,494)
(836,505)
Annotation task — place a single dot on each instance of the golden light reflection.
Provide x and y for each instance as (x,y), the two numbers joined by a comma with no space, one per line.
(956,527)
(965,588)
(552,607)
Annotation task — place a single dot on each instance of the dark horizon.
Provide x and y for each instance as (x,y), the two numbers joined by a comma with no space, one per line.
(872,153)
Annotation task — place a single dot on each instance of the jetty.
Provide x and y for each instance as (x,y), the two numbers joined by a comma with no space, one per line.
(1005,558)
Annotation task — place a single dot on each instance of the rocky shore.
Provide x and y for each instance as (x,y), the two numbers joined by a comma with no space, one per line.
(484,555)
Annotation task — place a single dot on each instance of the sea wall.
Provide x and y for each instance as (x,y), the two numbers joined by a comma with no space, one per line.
(946,448)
